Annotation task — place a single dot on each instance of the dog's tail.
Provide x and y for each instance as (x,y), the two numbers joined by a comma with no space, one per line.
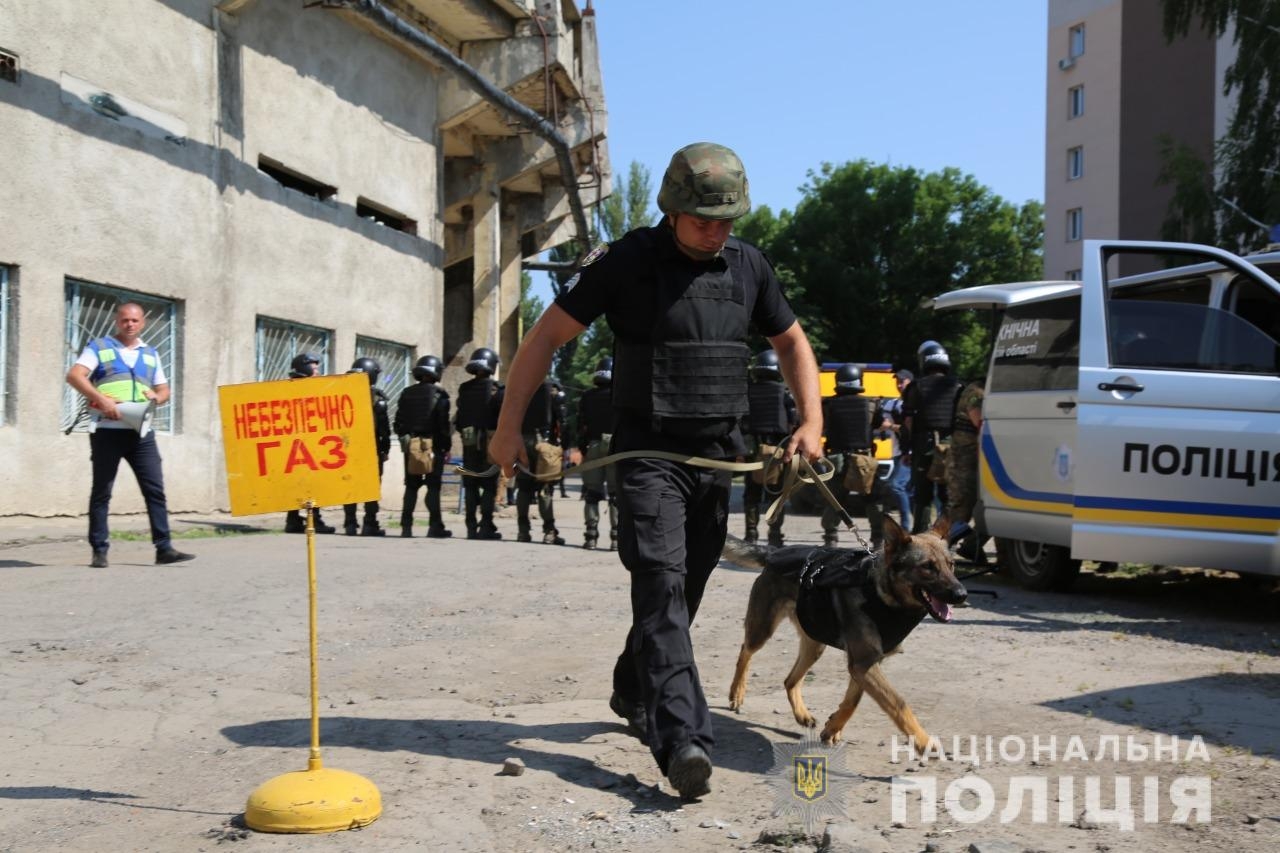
(740,553)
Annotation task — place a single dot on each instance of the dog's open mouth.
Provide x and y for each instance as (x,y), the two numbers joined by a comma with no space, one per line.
(938,609)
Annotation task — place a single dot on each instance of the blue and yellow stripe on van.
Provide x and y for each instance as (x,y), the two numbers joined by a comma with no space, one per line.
(1148,512)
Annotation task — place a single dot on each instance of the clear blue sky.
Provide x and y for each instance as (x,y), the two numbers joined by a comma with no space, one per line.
(791,85)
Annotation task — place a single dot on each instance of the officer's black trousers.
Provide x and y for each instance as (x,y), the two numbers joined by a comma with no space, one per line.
(350,512)
(414,482)
(671,529)
(478,492)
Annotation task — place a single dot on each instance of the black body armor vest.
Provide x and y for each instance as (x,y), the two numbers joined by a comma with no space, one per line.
(695,363)
(768,409)
(414,414)
(848,422)
(537,418)
(595,414)
(935,402)
(475,404)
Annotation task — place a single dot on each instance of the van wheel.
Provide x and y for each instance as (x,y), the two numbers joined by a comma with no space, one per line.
(1036,565)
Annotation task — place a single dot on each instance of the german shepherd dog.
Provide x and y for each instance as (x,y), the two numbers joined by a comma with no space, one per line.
(867,613)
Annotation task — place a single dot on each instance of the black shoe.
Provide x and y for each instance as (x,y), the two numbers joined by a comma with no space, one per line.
(290,527)
(438,533)
(372,530)
(351,530)
(99,560)
(775,540)
(489,534)
(589,544)
(407,533)
(169,555)
(523,536)
(751,538)
(613,544)
(321,527)
(633,713)
(552,538)
(689,770)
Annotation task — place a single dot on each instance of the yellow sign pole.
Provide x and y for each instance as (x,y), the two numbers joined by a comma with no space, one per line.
(312,438)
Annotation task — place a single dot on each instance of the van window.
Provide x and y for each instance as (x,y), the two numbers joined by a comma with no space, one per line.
(1179,336)
(1192,289)
(1038,347)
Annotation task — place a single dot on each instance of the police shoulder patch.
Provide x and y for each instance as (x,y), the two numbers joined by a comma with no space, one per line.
(595,254)
(568,285)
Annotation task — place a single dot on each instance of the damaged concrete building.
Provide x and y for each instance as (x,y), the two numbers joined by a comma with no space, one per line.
(267,177)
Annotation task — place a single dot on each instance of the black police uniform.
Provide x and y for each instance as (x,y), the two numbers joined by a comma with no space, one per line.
(929,401)
(423,412)
(479,401)
(770,420)
(382,436)
(847,420)
(679,384)
(541,423)
(595,431)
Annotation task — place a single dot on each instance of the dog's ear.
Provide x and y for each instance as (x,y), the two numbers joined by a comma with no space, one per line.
(941,527)
(894,536)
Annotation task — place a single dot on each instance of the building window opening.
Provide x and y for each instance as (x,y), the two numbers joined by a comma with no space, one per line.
(1075,41)
(1075,163)
(1075,224)
(278,341)
(296,180)
(1075,102)
(366,209)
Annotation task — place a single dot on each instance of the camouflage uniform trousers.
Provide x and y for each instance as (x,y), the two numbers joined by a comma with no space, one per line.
(962,477)
(873,503)
(528,489)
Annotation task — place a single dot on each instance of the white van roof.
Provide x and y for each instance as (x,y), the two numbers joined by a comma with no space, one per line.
(1003,295)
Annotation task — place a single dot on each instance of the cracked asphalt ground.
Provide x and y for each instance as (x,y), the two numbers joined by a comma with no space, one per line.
(140,705)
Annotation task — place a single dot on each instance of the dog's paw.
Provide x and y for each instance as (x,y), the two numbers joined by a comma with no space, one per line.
(831,737)
(807,720)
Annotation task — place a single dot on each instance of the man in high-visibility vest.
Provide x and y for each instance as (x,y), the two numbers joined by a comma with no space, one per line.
(113,370)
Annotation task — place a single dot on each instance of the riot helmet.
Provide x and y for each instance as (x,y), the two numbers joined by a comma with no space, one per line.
(849,379)
(604,372)
(705,180)
(304,364)
(766,368)
(483,363)
(428,369)
(365,364)
(932,356)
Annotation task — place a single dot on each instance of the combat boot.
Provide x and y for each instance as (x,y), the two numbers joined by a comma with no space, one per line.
(830,540)
(552,537)
(589,543)
(372,528)
(406,527)
(775,538)
(751,537)
(523,535)
(438,531)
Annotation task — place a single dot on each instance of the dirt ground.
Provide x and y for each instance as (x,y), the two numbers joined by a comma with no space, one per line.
(140,705)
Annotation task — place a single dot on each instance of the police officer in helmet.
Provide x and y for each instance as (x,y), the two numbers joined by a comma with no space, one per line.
(595,431)
(382,436)
(770,418)
(423,415)
(928,410)
(679,297)
(479,399)
(303,366)
(541,426)
(848,417)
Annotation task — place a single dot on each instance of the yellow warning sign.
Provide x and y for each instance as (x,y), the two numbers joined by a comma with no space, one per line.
(297,440)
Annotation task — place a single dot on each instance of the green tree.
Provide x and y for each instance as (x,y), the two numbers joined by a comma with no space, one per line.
(1235,208)
(531,307)
(868,244)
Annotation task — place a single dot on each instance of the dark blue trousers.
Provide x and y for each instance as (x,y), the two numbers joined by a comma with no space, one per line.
(672,521)
(107,447)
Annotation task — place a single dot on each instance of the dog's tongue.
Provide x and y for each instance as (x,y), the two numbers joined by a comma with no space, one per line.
(938,609)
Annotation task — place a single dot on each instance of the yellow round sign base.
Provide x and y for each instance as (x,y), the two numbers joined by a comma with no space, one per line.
(322,800)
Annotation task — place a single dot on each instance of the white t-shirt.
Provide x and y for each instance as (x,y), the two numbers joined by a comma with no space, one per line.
(129,355)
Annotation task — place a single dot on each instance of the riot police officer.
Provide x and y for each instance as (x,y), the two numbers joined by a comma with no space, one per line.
(423,413)
(928,408)
(848,418)
(561,404)
(479,399)
(304,365)
(679,298)
(382,436)
(541,426)
(770,419)
(595,427)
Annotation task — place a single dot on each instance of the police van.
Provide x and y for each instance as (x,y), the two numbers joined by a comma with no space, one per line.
(1133,418)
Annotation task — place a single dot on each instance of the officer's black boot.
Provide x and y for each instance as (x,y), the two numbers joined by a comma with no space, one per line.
(371,527)
(321,527)
(293,522)
(753,524)
(775,537)
(406,526)
(349,525)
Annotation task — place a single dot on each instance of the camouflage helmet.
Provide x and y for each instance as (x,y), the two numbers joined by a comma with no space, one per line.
(706,180)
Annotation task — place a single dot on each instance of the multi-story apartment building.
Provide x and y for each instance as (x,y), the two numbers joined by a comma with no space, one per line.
(1116,88)
(268,177)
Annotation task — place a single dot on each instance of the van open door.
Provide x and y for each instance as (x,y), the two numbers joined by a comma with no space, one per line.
(1179,413)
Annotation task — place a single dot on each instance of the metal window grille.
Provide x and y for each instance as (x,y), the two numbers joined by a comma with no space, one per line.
(278,341)
(397,364)
(91,313)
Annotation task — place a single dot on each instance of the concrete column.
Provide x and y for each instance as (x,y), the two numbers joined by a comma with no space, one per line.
(487,296)
(509,287)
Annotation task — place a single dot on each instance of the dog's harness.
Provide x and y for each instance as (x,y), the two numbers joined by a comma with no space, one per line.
(821,604)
